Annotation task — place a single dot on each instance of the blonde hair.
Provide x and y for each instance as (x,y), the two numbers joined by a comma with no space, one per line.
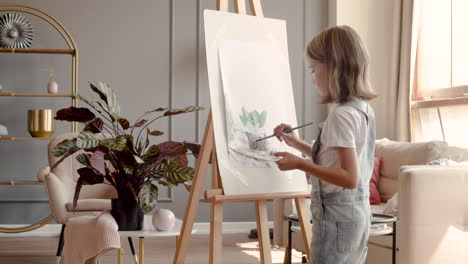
(347,60)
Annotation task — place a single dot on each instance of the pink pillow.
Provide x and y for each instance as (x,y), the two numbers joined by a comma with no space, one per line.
(374,182)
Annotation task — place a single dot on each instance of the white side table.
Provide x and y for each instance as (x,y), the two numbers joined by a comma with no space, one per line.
(148,231)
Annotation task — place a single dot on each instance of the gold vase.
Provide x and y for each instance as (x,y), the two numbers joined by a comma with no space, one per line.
(41,122)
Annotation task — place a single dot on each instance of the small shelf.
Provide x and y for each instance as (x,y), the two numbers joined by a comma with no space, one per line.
(24,138)
(36,95)
(38,51)
(12,183)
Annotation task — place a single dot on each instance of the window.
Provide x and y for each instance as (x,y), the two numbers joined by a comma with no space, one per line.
(439,100)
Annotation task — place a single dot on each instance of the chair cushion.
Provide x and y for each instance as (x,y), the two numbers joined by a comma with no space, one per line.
(90,205)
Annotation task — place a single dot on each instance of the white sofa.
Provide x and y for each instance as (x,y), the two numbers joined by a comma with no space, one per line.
(431,198)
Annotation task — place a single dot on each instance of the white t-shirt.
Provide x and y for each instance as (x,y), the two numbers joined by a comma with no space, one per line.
(345,127)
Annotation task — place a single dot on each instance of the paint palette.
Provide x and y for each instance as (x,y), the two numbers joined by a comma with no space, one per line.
(255,154)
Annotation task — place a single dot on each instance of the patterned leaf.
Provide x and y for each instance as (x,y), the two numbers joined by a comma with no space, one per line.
(151,155)
(124,123)
(83,158)
(138,159)
(90,103)
(183,110)
(170,173)
(63,147)
(95,126)
(108,95)
(118,143)
(86,140)
(76,114)
(148,196)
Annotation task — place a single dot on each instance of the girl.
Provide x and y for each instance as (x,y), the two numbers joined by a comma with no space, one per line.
(342,156)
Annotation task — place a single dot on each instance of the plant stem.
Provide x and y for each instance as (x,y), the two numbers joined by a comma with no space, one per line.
(143,128)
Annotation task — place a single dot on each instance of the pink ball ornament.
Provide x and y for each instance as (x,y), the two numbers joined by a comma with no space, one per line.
(163,220)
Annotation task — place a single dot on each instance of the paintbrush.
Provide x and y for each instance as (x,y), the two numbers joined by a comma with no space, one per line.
(285,131)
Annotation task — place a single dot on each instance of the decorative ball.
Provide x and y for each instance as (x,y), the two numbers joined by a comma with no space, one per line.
(163,220)
(52,87)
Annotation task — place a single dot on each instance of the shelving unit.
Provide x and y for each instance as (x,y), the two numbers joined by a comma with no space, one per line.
(71,51)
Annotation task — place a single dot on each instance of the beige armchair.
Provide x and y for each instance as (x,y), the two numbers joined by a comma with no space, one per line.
(60,185)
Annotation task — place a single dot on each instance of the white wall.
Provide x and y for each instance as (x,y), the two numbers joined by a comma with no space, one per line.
(374,22)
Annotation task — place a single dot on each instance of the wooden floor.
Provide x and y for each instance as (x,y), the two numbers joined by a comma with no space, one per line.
(237,248)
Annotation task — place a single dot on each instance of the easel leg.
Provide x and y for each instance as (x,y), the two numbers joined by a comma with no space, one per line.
(191,208)
(263,232)
(304,220)
(216,233)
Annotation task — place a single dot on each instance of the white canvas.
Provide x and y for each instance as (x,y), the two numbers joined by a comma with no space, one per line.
(253,92)
(245,39)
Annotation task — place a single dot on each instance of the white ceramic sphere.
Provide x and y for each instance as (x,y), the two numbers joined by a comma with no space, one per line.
(163,220)
(52,87)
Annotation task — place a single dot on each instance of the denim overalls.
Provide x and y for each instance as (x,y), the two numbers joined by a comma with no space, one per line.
(341,220)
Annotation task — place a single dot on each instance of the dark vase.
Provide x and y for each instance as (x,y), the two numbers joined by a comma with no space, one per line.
(127,214)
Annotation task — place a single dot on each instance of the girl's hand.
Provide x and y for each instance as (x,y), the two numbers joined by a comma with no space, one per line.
(288,161)
(291,139)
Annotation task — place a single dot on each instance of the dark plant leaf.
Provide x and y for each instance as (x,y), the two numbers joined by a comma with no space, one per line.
(88,176)
(156,110)
(140,123)
(75,114)
(95,126)
(170,149)
(183,110)
(124,123)
(156,133)
(148,196)
(63,147)
(194,148)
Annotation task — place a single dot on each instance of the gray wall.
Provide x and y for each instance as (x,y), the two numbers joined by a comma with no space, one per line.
(152,54)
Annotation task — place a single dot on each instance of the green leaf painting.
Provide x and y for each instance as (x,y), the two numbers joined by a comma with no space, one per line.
(255,118)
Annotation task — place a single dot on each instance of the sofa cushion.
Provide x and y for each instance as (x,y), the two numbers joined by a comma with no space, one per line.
(396,154)
(374,197)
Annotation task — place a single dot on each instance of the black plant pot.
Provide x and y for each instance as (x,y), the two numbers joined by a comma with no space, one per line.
(127,214)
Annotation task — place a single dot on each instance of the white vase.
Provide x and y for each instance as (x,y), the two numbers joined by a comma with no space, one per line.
(52,87)
(163,220)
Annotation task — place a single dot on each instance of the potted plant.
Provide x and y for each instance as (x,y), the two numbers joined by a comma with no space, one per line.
(120,153)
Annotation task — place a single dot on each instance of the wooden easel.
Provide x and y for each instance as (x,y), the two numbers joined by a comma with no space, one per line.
(216,196)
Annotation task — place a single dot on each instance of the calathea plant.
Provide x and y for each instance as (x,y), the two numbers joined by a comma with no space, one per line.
(119,153)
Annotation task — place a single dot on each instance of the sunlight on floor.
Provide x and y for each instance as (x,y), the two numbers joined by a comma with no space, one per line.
(277,253)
